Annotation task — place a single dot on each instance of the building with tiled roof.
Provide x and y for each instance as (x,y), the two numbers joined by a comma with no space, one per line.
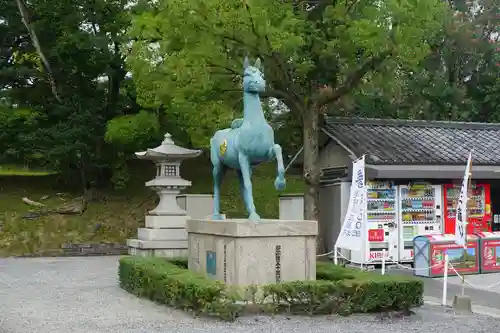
(409,149)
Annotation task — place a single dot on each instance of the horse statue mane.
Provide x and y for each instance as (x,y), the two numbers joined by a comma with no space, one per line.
(248,142)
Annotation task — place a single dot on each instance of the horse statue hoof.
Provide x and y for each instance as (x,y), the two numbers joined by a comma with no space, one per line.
(217,217)
(254,217)
(280,183)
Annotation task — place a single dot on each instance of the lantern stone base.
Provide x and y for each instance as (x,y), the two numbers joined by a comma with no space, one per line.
(241,252)
(165,249)
(164,236)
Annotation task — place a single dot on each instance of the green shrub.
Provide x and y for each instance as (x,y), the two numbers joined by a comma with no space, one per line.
(370,291)
(344,290)
(180,262)
(337,290)
(327,271)
(169,284)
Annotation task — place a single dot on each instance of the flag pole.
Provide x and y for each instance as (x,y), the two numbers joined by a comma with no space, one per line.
(466,221)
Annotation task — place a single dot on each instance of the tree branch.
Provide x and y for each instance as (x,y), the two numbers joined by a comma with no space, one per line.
(279,63)
(275,93)
(31,31)
(351,5)
(285,97)
(329,96)
(229,70)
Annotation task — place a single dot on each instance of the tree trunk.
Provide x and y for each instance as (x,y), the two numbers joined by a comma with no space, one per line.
(311,173)
(34,39)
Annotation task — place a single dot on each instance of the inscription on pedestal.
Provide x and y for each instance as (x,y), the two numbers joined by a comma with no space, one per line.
(307,264)
(198,252)
(211,263)
(278,263)
(225,263)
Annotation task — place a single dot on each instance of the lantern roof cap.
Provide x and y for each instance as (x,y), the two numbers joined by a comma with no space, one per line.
(168,151)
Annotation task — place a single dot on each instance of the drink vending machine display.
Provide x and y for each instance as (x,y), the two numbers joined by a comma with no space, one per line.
(381,221)
(478,208)
(420,214)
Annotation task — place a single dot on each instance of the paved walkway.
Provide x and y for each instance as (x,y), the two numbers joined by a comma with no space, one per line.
(72,295)
(478,288)
(81,295)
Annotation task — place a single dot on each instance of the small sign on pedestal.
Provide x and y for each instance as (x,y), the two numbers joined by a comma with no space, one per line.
(211,263)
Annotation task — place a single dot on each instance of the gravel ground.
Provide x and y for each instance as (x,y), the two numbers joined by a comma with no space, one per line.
(81,295)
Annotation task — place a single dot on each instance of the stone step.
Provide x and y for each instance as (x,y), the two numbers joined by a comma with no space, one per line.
(148,234)
(165,244)
(165,248)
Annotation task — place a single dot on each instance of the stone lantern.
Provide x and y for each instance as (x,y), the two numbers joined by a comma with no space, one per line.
(165,232)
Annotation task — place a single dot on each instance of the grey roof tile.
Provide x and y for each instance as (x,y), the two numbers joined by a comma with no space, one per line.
(388,141)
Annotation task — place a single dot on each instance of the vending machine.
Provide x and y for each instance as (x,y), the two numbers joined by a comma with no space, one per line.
(478,208)
(381,223)
(420,213)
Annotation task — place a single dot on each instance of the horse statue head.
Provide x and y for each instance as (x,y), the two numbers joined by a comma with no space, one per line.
(253,77)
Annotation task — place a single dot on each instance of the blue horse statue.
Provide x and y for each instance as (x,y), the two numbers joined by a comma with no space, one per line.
(249,142)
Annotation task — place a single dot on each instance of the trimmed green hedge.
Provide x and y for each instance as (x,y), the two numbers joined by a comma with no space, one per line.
(371,291)
(337,290)
(169,284)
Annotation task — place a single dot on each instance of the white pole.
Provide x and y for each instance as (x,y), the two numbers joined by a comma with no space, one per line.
(445,280)
(335,255)
(383,262)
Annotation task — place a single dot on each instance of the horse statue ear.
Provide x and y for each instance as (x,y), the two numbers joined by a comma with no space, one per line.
(258,64)
(246,63)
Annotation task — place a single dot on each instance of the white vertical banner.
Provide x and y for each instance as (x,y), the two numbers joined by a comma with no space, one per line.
(352,235)
(461,216)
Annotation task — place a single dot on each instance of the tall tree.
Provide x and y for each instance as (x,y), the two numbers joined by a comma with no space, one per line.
(456,81)
(62,75)
(187,56)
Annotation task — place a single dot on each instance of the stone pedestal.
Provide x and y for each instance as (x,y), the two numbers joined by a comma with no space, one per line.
(291,206)
(241,252)
(163,236)
(198,206)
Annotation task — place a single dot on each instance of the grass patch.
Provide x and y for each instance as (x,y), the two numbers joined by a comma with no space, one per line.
(337,290)
(14,170)
(118,214)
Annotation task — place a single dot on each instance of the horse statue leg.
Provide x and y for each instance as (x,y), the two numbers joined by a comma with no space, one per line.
(275,152)
(246,175)
(242,187)
(218,172)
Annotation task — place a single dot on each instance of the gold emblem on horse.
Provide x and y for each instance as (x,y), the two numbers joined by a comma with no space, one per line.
(223,148)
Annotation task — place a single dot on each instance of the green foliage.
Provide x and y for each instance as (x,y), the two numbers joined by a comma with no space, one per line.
(455,81)
(187,55)
(370,291)
(344,290)
(337,290)
(186,59)
(82,42)
(121,174)
(166,283)
(128,134)
(16,128)
(134,131)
